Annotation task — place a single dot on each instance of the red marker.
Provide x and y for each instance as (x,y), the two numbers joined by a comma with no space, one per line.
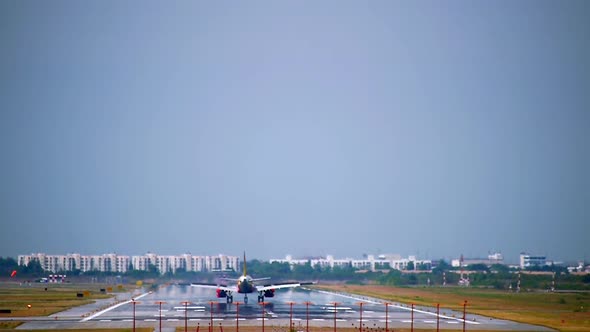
(13,274)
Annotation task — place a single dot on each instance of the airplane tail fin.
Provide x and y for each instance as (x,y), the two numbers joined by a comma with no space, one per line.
(245,264)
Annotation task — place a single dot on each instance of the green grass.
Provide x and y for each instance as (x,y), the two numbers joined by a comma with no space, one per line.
(562,311)
(45,302)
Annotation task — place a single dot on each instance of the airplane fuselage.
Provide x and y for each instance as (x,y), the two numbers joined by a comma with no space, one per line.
(245,285)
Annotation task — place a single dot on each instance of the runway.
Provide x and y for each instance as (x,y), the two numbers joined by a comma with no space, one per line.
(203,308)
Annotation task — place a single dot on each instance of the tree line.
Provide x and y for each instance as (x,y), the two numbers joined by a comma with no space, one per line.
(496,276)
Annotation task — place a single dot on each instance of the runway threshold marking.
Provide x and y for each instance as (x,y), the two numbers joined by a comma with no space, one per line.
(113,307)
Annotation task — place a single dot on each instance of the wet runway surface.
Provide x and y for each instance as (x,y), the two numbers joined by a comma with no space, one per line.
(202,308)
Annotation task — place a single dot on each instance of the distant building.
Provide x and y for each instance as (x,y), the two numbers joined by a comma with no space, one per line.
(371,263)
(121,263)
(527,260)
(495,258)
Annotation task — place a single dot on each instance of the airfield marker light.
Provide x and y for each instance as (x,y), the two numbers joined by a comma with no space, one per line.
(335,311)
(387,316)
(307,303)
(290,303)
(186,303)
(29,306)
(211,321)
(464,305)
(361,320)
(160,303)
(437,316)
(412,326)
(262,304)
(134,303)
(237,316)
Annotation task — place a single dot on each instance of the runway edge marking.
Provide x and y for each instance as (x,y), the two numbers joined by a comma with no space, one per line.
(113,307)
(394,305)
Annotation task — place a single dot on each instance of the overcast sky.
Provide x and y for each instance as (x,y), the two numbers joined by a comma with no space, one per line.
(295,127)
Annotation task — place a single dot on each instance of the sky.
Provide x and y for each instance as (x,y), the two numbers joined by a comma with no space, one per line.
(429,128)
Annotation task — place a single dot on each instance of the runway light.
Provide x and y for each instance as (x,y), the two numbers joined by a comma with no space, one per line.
(29,306)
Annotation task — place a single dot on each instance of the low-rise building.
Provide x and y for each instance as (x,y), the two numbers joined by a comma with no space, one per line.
(527,260)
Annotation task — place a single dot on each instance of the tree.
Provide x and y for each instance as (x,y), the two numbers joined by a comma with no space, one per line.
(7,265)
(441,266)
(478,267)
(32,269)
(410,266)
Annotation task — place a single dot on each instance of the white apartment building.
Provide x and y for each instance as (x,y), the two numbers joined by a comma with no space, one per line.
(121,263)
(372,263)
(527,260)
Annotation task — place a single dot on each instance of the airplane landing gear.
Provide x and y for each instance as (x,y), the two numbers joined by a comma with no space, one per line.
(260,298)
(229,299)
(245,299)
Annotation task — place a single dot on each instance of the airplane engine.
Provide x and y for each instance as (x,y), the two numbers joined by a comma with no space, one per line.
(221,293)
(269,293)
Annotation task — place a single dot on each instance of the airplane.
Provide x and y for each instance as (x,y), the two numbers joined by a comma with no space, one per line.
(247,285)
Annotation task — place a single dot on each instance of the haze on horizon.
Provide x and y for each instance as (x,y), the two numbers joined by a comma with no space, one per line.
(295,127)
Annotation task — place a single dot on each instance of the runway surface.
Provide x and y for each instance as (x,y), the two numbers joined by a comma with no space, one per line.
(203,308)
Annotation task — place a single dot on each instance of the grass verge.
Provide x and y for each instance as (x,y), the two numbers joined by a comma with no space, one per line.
(561,311)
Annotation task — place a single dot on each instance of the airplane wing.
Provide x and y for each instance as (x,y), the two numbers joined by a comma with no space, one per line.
(215,286)
(280,286)
(260,279)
